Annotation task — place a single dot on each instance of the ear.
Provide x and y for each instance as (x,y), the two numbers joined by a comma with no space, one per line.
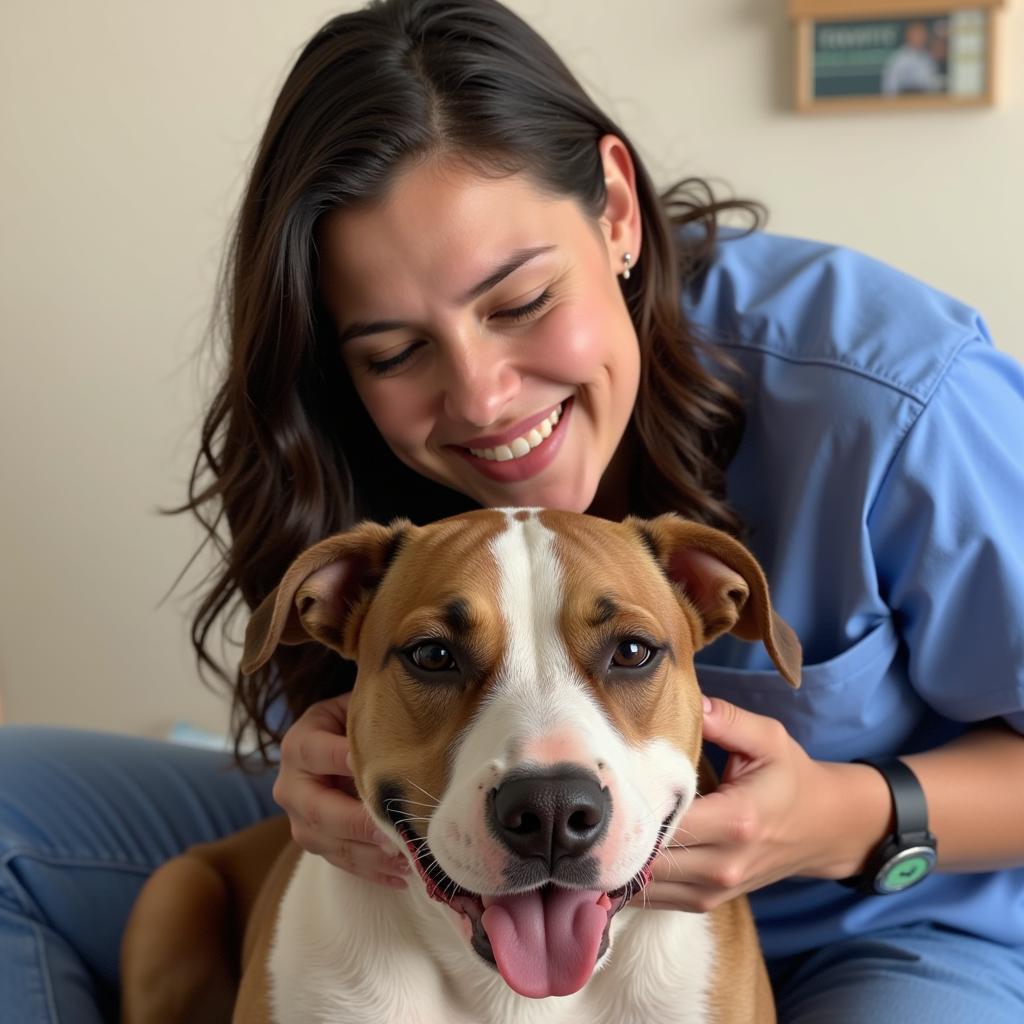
(324,593)
(620,222)
(724,583)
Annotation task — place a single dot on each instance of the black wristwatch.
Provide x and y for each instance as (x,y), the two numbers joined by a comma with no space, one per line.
(907,855)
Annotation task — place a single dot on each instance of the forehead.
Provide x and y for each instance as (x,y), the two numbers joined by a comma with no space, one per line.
(498,560)
(440,227)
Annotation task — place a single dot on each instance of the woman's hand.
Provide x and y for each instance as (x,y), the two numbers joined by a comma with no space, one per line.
(776,814)
(315,787)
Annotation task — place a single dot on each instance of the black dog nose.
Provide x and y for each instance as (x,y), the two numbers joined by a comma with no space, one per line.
(550,815)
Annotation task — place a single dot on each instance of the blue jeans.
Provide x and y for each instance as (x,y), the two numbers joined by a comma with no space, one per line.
(921,973)
(84,818)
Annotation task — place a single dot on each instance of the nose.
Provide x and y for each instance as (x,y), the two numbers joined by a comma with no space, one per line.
(479,382)
(550,815)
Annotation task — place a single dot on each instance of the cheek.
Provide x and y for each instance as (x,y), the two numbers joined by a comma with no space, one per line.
(581,339)
(398,412)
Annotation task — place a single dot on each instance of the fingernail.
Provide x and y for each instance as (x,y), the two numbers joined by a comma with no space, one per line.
(707,705)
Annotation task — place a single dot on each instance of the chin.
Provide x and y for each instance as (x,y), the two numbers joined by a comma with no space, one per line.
(553,496)
(556,502)
(576,496)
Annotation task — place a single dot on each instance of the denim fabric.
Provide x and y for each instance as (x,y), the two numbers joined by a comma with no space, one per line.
(84,818)
(901,976)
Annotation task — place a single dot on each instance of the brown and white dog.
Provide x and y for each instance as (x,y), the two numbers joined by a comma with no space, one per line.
(526,724)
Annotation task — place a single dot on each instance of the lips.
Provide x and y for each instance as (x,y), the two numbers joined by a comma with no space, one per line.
(513,455)
(522,444)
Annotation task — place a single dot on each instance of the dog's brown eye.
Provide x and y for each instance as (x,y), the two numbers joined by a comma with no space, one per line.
(632,654)
(432,657)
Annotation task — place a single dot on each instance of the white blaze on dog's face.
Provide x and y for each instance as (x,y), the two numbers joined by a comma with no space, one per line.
(526,716)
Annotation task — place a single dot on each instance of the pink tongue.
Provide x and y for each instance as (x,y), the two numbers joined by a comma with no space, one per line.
(546,942)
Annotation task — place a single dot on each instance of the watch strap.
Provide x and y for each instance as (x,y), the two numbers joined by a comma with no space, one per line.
(910,809)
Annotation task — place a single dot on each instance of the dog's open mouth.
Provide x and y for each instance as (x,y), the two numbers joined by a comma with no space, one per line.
(544,942)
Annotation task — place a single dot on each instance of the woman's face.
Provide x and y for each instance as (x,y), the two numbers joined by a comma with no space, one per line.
(484,328)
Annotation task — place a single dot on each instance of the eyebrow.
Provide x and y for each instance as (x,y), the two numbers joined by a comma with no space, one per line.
(605,609)
(517,259)
(456,616)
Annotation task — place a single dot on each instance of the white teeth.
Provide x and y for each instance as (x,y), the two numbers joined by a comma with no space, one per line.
(521,446)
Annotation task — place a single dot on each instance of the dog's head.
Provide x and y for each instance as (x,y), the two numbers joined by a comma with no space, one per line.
(526,716)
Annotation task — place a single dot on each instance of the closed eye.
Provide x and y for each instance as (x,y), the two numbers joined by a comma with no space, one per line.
(518,314)
(531,308)
(381,367)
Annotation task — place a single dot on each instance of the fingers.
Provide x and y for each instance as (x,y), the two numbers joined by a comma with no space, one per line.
(343,832)
(315,787)
(738,731)
(690,879)
(316,743)
(329,822)
(718,820)
(694,899)
(369,861)
(321,813)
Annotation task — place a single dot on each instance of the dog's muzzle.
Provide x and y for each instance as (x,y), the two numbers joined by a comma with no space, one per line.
(549,926)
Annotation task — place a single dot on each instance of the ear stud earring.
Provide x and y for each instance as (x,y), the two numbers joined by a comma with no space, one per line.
(627,260)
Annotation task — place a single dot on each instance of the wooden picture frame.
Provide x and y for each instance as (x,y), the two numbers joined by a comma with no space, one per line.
(895,54)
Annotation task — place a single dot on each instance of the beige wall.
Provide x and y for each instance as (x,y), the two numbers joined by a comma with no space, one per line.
(125,126)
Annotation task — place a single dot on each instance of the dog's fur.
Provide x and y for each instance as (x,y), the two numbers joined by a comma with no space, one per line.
(526,724)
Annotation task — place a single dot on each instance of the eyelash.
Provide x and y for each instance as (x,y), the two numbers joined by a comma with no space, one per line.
(525,312)
(381,367)
(520,313)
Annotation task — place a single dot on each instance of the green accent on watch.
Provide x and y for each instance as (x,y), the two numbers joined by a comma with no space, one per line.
(907,869)
(906,873)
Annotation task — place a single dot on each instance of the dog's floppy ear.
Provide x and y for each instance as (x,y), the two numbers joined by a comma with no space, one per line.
(724,582)
(323,594)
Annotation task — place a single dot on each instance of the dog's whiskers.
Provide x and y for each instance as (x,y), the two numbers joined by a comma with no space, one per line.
(410,817)
(684,832)
(424,792)
(669,854)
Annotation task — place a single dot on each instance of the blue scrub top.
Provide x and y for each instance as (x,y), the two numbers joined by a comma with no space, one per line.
(881,476)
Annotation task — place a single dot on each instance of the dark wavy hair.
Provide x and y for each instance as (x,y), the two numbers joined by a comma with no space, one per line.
(288,454)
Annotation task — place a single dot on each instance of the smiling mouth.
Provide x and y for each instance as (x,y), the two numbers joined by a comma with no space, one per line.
(523,445)
(545,941)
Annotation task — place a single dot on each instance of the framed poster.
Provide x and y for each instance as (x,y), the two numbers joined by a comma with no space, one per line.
(894,54)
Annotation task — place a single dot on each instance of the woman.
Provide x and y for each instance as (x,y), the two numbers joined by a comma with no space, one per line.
(453,284)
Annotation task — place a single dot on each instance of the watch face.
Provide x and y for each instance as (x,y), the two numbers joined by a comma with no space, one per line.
(906,868)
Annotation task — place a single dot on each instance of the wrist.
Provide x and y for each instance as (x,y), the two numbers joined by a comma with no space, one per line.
(859,816)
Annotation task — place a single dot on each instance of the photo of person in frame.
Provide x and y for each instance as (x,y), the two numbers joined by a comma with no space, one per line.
(918,66)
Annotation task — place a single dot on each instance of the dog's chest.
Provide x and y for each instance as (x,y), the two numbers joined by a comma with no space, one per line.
(348,952)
